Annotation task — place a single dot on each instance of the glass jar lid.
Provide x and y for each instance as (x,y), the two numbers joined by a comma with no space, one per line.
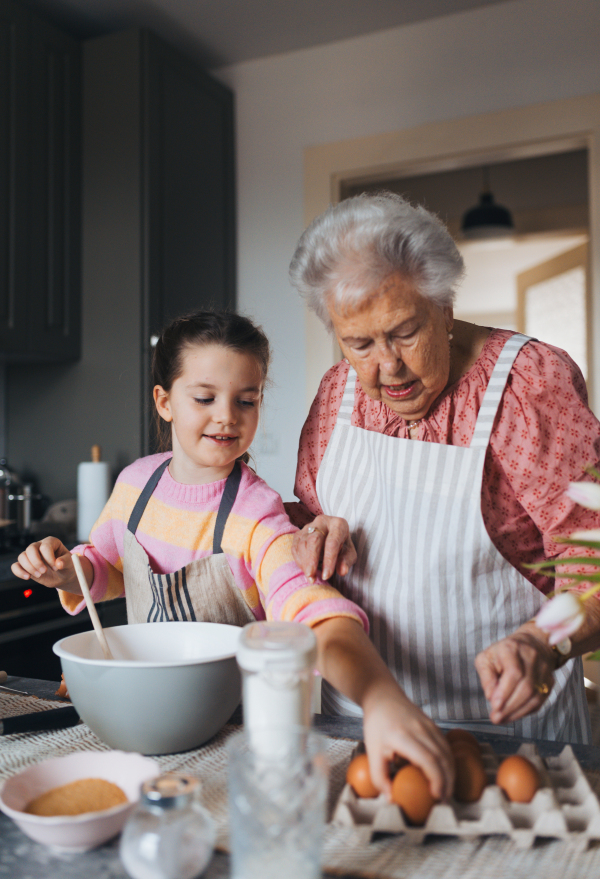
(282,645)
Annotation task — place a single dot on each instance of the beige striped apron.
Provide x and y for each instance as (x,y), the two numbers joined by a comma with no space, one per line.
(435,588)
(203,591)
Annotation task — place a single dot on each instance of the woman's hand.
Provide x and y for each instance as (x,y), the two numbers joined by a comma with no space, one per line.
(395,726)
(49,563)
(326,544)
(517,674)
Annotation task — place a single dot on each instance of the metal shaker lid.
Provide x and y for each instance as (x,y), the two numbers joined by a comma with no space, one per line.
(173,790)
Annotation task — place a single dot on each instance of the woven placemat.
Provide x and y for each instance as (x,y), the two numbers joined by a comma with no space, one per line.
(345,849)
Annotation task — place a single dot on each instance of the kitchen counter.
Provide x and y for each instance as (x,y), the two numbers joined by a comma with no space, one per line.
(445,857)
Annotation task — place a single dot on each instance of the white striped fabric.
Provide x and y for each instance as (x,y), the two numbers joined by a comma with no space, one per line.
(435,588)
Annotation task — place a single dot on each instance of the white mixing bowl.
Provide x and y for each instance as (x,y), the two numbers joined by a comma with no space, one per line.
(170,687)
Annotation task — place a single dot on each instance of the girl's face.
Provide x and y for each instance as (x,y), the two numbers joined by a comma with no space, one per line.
(213,407)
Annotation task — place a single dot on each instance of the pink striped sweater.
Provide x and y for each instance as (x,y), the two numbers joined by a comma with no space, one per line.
(177,528)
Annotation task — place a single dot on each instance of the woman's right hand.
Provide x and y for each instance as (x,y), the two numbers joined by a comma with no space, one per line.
(324,544)
(49,563)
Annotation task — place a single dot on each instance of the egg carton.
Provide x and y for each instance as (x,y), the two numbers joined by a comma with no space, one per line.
(564,807)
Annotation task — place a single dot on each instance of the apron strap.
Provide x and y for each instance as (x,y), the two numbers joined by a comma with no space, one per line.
(344,415)
(146,493)
(495,389)
(227,501)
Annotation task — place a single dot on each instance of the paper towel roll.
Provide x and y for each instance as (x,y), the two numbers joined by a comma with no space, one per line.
(93,490)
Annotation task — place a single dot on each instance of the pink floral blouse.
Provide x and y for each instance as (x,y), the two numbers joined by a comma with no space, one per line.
(544,437)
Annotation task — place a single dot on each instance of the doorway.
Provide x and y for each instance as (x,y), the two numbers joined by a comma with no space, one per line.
(467,143)
(544,259)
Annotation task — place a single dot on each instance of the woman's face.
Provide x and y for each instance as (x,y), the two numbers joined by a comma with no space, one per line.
(398,344)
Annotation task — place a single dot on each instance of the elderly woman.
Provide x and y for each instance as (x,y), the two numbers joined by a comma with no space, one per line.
(432,473)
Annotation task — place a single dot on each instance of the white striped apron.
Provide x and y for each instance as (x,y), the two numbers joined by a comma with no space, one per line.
(435,588)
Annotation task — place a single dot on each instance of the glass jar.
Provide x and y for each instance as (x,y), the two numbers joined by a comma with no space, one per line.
(277,660)
(169,835)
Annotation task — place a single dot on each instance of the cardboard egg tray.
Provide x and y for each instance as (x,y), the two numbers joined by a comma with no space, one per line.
(564,807)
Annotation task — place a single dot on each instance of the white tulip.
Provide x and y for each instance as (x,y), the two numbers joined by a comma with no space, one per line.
(561,616)
(585,493)
(592,534)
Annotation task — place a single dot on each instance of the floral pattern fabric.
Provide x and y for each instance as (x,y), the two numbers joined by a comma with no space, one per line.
(544,437)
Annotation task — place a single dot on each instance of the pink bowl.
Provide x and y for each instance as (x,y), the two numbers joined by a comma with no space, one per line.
(76,832)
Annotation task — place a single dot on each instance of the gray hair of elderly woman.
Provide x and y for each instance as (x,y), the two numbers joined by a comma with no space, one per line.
(347,252)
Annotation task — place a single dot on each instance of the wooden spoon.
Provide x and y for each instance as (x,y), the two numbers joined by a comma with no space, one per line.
(91,607)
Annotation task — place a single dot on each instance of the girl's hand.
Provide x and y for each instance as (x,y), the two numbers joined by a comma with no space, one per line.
(326,544)
(395,726)
(49,563)
(517,674)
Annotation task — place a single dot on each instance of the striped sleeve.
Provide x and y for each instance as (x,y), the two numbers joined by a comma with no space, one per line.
(262,542)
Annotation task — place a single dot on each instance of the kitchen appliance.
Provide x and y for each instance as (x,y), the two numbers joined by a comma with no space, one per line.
(16,506)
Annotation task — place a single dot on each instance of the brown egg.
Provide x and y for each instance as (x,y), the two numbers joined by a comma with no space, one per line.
(359,777)
(470,778)
(463,736)
(518,778)
(410,791)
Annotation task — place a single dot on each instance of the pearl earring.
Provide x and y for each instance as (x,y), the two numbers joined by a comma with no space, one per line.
(450,337)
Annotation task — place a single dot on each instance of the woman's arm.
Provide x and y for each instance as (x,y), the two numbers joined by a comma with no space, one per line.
(544,439)
(393,725)
(510,670)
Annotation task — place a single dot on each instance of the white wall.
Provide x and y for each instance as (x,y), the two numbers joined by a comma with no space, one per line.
(507,55)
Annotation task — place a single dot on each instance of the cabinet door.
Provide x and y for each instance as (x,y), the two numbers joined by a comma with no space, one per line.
(13,178)
(189,187)
(54,197)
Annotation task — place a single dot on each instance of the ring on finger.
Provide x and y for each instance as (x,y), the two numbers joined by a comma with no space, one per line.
(542,689)
(311,529)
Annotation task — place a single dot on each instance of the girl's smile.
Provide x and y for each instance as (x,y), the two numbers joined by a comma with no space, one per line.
(213,407)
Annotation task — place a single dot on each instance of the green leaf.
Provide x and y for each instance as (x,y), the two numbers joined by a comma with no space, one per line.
(578,560)
(591,544)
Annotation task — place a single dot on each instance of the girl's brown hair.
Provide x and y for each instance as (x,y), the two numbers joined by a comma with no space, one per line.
(203,328)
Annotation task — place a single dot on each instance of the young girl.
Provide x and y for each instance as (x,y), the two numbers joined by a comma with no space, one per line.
(194,534)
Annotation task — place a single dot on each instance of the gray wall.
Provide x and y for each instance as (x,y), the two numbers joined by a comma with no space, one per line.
(56,412)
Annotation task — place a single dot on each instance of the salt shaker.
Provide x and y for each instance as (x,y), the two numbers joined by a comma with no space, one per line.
(277,660)
(169,835)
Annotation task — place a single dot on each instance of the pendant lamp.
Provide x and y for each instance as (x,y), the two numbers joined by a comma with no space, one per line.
(487,219)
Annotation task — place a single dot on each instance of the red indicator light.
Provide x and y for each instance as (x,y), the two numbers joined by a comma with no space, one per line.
(28,592)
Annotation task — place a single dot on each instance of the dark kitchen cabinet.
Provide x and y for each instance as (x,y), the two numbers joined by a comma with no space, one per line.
(40,121)
(159,220)
(189,192)
(189,185)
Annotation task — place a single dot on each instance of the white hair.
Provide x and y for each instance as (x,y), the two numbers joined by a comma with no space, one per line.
(347,252)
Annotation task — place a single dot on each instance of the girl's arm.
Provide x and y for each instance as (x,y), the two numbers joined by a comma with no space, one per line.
(393,725)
